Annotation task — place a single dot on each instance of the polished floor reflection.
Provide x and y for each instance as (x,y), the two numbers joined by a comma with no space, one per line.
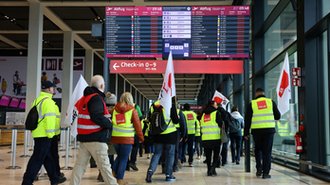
(230,174)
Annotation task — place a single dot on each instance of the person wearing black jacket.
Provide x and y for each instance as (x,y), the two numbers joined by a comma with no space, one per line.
(167,140)
(260,116)
(224,149)
(94,131)
(211,135)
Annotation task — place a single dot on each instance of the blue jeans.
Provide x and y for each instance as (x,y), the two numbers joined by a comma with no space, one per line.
(169,158)
(123,151)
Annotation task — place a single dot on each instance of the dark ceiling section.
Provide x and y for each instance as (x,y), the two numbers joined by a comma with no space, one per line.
(79,15)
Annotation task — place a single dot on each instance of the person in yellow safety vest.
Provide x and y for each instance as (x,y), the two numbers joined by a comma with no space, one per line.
(198,139)
(191,120)
(94,131)
(181,138)
(283,128)
(260,116)
(126,123)
(148,143)
(45,135)
(166,140)
(211,123)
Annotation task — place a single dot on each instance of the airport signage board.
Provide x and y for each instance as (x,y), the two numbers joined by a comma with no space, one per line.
(180,66)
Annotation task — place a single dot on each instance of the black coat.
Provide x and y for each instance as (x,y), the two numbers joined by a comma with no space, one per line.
(96,110)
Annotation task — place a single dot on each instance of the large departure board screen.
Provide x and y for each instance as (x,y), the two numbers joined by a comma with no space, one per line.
(187,31)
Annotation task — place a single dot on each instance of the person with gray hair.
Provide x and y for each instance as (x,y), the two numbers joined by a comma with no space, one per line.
(94,131)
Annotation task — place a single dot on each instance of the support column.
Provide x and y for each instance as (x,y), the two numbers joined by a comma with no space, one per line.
(67,72)
(89,63)
(33,77)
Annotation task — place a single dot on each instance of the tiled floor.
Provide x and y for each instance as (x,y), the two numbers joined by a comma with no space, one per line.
(230,174)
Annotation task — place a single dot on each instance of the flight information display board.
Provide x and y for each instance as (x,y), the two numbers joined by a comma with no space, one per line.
(188,31)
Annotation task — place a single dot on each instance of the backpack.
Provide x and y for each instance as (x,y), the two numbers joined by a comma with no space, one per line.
(157,121)
(31,122)
(234,125)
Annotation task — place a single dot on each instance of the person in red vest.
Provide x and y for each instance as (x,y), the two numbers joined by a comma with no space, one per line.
(94,131)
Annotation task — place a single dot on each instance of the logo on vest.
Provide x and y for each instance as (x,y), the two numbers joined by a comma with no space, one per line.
(120,119)
(262,104)
(207,117)
(190,116)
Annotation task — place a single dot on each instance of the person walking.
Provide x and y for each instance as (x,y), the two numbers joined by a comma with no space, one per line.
(44,137)
(235,133)
(94,131)
(211,123)
(191,120)
(167,140)
(125,123)
(260,116)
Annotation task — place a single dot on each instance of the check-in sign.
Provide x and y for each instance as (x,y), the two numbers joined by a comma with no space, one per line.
(180,66)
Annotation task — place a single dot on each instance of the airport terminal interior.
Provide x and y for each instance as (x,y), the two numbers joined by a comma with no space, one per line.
(226,48)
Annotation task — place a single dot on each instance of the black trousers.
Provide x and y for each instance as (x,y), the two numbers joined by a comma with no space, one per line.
(42,155)
(263,144)
(190,143)
(211,147)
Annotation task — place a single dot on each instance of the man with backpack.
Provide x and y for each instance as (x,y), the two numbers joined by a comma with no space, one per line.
(235,133)
(165,139)
(45,135)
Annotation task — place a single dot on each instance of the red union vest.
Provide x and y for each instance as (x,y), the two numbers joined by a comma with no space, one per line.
(85,124)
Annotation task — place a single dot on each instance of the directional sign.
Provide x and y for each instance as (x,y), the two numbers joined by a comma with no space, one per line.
(180,66)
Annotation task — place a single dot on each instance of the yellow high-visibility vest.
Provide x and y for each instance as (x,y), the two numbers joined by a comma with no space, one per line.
(191,119)
(49,117)
(170,128)
(263,116)
(122,125)
(210,129)
(198,129)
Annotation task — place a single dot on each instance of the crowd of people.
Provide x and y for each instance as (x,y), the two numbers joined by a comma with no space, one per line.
(107,129)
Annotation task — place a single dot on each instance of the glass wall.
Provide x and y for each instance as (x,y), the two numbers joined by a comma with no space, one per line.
(269,6)
(287,126)
(280,34)
(325,7)
(326,94)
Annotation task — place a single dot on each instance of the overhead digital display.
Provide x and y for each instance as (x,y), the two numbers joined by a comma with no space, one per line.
(188,31)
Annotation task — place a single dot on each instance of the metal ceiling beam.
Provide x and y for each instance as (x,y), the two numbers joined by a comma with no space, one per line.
(11,43)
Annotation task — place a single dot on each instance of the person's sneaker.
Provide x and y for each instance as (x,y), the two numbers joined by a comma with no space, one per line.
(266,176)
(148,177)
(237,162)
(191,165)
(127,168)
(133,166)
(170,178)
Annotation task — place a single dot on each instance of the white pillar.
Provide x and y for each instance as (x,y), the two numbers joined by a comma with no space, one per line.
(33,77)
(67,72)
(89,63)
